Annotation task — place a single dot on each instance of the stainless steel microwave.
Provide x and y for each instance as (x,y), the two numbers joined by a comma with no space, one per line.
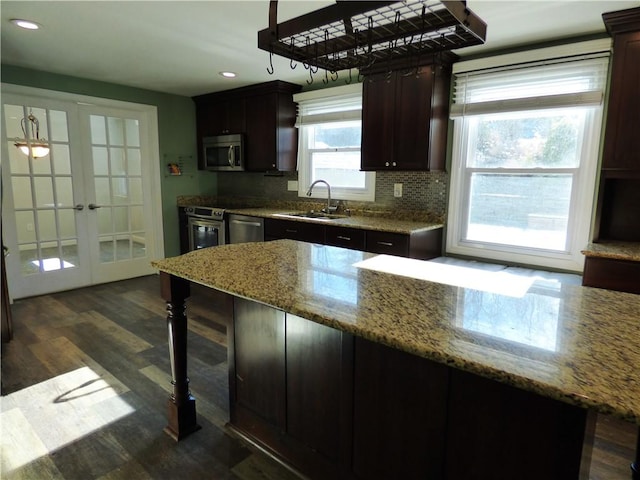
(223,152)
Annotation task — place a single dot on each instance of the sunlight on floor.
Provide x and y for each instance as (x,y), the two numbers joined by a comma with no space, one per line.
(499,282)
(49,264)
(49,415)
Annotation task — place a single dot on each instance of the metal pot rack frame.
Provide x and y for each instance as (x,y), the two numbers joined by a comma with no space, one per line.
(361,34)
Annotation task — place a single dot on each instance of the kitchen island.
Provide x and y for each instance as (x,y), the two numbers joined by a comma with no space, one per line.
(343,362)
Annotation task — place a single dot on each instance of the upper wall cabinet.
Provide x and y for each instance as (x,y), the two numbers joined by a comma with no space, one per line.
(622,138)
(405,115)
(264,113)
(618,206)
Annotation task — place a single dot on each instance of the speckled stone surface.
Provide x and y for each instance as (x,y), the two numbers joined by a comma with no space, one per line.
(616,250)
(571,343)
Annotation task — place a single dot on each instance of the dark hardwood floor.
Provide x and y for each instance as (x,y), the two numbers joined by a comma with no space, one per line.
(85,384)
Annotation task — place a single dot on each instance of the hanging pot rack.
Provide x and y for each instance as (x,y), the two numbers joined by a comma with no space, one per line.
(360,34)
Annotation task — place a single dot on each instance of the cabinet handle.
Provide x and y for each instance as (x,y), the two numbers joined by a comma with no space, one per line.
(386,164)
(386,244)
(343,238)
(291,231)
(394,164)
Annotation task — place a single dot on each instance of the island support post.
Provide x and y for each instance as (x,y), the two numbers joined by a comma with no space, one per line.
(181,410)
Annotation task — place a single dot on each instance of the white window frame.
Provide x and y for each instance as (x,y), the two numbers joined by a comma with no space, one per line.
(321,107)
(584,177)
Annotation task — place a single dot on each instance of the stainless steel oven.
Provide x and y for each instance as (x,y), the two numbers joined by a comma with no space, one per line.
(206,227)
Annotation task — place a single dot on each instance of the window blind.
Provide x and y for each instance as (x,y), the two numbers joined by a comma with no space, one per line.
(538,85)
(338,104)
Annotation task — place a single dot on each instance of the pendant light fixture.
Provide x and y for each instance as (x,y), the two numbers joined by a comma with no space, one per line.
(32,144)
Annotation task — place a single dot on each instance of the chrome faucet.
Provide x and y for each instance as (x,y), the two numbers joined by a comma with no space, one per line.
(329,207)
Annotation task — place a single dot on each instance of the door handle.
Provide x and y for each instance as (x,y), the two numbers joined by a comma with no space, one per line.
(79,207)
(93,206)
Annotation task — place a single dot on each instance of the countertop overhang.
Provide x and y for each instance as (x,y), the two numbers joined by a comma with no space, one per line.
(576,344)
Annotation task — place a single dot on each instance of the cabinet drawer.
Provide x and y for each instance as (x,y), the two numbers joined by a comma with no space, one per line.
(612,274)
(352,238)
(389,243)
(305,232)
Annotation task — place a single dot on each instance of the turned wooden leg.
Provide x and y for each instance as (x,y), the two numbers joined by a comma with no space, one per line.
(181,411)
(635,466)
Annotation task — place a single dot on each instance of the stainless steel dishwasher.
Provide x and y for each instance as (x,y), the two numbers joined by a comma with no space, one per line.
(243,228)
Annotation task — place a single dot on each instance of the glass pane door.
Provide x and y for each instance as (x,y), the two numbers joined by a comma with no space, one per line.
(117,173)
(44,222)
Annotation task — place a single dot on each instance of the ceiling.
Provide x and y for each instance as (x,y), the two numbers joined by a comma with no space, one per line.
(180,47)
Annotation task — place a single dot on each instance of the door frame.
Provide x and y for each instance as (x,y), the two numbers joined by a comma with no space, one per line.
(150,112)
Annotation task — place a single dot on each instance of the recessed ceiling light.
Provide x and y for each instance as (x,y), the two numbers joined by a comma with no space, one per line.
(27,24)
(228,74)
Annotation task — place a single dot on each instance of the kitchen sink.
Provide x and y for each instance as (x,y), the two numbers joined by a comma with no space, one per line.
(311,214)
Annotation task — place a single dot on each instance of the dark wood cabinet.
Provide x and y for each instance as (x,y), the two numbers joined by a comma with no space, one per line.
(345,237)
(319,388)
(276,229)
(388,243)
(220,117)
(265,113)
(338,406)
(400,414)
(619,188)
(405,117)
(259,362)
(423,245)
(618,204)
(493,429)
(622,141)
(271,140)
(612,274)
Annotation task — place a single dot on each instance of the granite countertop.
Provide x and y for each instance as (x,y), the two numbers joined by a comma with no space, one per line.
(571,343)
(379,223)
(614,250)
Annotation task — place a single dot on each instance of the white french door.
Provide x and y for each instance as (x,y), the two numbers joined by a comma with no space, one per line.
(89,211)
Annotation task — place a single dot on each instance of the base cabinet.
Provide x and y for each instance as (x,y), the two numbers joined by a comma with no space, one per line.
(422,245)
(342,407)
(400,414)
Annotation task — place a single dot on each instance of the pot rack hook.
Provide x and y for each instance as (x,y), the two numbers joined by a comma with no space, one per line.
(350,78)
(310,81)
(334,76)
(291,64)
(270,69)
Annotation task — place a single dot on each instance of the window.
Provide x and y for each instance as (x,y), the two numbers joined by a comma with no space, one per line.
(330,132)
(524,160)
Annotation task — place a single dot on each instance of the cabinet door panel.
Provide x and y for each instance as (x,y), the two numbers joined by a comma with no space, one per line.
(318,387)
(622,142)
(412,118)
(261,132)
(259,343)
(399,414)
(378,104)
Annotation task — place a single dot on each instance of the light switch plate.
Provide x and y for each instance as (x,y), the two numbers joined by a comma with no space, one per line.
(397,189)
(292,185)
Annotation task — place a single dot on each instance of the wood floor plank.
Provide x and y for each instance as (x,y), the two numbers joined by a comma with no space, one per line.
(115,332)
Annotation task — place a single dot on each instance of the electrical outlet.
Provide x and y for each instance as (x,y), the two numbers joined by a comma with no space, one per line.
(397,189)
(292,185)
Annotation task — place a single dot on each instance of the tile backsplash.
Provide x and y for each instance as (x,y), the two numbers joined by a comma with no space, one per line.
(421,191)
